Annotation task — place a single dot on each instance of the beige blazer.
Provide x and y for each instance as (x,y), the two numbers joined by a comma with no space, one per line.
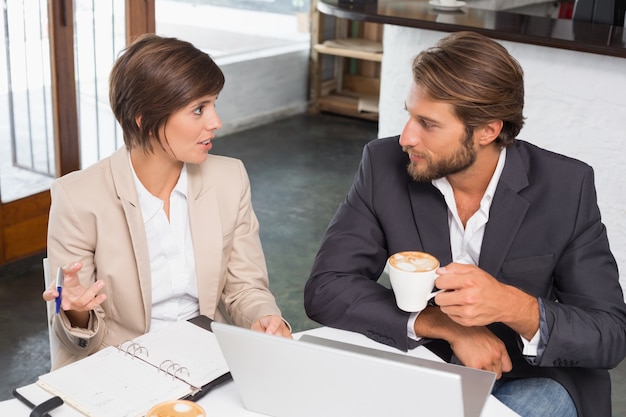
(95,218)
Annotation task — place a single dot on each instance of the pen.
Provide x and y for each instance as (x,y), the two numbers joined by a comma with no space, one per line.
(59,284)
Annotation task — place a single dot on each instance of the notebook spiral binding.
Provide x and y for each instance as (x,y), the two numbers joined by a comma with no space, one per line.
(133,349)
(168,367)
(172,368)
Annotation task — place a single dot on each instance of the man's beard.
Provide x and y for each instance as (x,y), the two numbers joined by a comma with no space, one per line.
(462,158)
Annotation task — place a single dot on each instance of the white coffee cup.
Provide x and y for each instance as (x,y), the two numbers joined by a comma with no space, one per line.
(412,276)
(447,2)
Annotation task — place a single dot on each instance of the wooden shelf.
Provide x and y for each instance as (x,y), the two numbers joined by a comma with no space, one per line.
(352,48)
(347,105)
(350,86)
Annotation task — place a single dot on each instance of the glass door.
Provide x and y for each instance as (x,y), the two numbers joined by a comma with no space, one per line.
(55,118)
(26,129)
(27,148)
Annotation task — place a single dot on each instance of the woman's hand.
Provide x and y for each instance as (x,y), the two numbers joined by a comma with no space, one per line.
(77,301)
(272,325)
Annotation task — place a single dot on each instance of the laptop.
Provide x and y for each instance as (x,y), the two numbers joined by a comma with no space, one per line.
(317,377)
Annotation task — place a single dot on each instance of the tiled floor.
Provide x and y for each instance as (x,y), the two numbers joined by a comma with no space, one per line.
(300,169)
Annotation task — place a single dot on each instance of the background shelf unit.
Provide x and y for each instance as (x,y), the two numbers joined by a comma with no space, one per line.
(345,65)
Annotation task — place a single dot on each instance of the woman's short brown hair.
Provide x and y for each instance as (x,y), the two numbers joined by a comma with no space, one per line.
(154,77)
(478,77)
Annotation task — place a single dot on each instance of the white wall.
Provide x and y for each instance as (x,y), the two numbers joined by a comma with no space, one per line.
(575,105)
(266,86)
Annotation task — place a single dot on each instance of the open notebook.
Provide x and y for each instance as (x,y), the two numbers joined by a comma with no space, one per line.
(314,377)
(181,360)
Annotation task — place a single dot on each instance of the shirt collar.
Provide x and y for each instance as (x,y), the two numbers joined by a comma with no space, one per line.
(493,184)
(149,204)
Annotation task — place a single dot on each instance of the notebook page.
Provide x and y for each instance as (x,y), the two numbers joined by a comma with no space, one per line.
(112,383)
(189,346)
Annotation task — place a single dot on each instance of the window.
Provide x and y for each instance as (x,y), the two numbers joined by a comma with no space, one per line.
(235,29)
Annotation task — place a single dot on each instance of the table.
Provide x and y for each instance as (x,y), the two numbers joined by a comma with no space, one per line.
(224,400)
(505,4)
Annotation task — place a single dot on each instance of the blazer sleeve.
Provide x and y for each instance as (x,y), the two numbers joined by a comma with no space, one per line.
(342,290)
(586,319)
(246,293)
(70,239)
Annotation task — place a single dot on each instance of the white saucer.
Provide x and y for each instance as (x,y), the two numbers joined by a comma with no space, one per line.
(455,6)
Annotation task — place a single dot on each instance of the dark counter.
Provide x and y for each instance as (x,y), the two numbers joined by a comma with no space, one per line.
(537,30)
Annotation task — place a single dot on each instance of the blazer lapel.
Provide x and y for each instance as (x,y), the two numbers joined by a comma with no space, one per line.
(430,213)
(206,234)
(507,212)
(126,192)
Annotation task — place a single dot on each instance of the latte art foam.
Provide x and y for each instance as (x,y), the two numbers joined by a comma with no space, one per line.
(176,408)
(413,261)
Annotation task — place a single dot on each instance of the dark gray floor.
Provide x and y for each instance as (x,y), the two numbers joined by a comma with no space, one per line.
(300,168)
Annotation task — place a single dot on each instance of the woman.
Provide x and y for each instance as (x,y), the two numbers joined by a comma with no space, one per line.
(159,231)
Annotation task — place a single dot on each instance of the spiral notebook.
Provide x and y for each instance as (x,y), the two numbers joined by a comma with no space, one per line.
(181,360)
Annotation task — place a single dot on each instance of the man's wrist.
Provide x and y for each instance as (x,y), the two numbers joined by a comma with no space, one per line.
(434,324)
(524,319)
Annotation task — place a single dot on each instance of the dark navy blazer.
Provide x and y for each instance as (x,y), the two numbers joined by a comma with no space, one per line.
(544,236)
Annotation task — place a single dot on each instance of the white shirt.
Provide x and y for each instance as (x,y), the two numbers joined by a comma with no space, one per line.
(172,261)
(466,242)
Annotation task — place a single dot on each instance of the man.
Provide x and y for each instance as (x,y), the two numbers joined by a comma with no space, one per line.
(532,289)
